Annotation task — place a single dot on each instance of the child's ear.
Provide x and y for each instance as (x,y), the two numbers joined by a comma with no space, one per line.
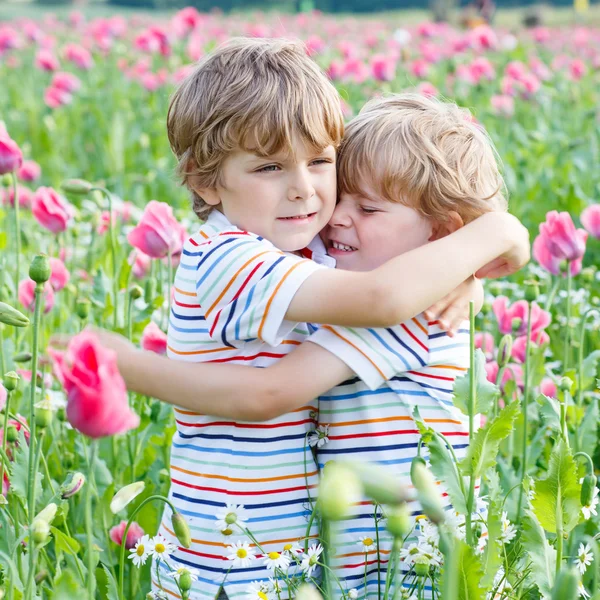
(441,229)
(209,195)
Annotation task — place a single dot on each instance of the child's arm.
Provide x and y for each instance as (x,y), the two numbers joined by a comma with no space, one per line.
(495,243)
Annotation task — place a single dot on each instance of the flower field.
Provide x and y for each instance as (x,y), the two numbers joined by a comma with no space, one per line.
(87,179)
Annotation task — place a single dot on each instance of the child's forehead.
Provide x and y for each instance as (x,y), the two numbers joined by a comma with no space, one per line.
(296,150)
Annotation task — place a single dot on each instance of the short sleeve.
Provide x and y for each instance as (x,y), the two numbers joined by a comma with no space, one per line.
(245,285)
(378,354)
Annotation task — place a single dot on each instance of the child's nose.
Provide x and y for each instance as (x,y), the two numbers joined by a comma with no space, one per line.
(301,186)
(340,217)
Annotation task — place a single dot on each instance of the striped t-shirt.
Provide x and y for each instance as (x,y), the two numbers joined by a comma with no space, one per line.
(370,418)
(232,290)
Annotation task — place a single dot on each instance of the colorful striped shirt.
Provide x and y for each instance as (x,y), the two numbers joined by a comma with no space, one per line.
(370,418)
(232,290)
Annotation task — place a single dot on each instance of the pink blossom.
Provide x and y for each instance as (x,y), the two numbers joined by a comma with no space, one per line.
(512,371)
(46,61)
(11,157)
(26,376)
(153,339)
(383,67)
(515,70)
(482,68)
(26,295)
(51,210)
(79,56)
(539,69)
(503,105)
(483,37)
(553,264)
(66,81)
(314,45)
(140,263)
(577,69)
(97,402)
(420,68)
(55,97)
(134,533)
(519,346)
(29,171)
(548,388)
(427,89)
(590,219)
(60,275)
(158,233)
(105,221)
(485,341)
(561,237)
(24,194)
(517,315)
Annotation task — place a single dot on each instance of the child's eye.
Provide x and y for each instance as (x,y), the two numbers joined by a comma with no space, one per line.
(322,161)
(267,169)
(368,211)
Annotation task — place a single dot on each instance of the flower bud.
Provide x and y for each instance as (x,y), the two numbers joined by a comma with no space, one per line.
(565,384)
(308,592)
(11,316)
(587,489)
(181,529)
(565,586)
(428,494)
(504,350)
(415,461)
(339,489)
(48,513)
(588,274)
(40,531)
(22,357)
(398,521)
(379,484)
(532,290)
(41,576)
(82,308)
(76,186)
(516,324)
(185,580)
(421,566)
(39,269)
(43,417)
(6,180)
(135,291)
(69,488)
(11,381)
(12,435)
(125,495)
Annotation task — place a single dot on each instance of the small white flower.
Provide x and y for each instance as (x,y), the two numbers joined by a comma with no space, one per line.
(53,400)
(241,554)
(319,437)
(366,543)
(429,532)
(583,593)
(140,552)
(508,530)
(160,547)
(226,534)
(158,595)
(125,495)
(292,549)
(232,514)
(590,510)
(353,594)
(258,590)
(275,586)
(584,558)
(277,560)
(177,573)
(310,559)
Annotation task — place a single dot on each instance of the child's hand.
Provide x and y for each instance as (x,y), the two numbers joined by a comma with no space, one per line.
(516,257)
(453,309)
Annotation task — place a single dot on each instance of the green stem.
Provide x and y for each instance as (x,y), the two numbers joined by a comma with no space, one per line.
(379,549)
(396,545)
(525,405)
(587,458)
(552,293)
(39,289)
(568,327)
(472,405)
(135,512)
(17,232)
(4,435)
(89,521)
(589,312)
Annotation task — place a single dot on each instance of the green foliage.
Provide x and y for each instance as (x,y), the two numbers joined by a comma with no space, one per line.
(541,554)
(485,391)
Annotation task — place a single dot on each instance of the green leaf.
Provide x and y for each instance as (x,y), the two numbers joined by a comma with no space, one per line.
(556,500)
(66,587)
(483,450)
(443,467)
(485,391)
(111,585)
(99,289)
(549,411)
(492,558)
(541,554)
(589,368)
(64,542)
(588,430)
(19,477)
(124,274)
(470,572)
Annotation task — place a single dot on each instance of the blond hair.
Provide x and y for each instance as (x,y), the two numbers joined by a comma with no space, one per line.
(255,95)
(424,153)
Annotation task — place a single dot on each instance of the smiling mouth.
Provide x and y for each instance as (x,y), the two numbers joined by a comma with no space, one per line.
(298,217)
(342,247)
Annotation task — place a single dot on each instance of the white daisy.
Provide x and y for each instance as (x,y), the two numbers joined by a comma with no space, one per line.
(226,534)
(319,437)
(583,593)
(232,514)
(292,549)
(429,531)
(177,573)
(584,558)
(277,560)
(353,594)
(310,559)
(241,554)
(160,547)
(366,543)
(140,552)
(590,510)
(508,530)
(258,590)
(275,586)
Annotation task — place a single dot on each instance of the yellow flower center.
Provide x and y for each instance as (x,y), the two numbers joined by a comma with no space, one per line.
(263,596)
(287,547)
(242,553)
(274,555)
(160,548)
(367,541)
(227,531)
(140,550)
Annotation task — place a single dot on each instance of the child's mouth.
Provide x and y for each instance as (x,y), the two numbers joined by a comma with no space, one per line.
(306,218)
(339,248)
